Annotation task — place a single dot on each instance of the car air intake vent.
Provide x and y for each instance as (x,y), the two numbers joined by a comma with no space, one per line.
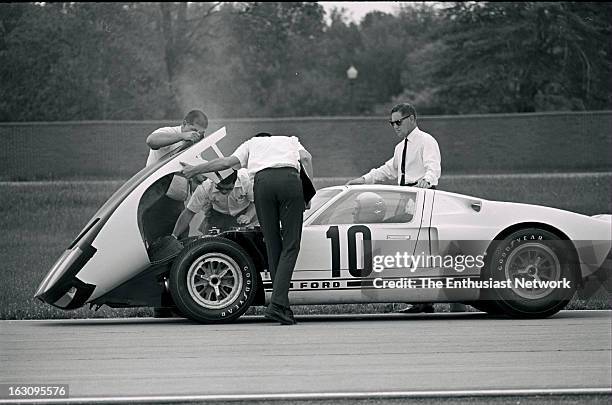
(476,205)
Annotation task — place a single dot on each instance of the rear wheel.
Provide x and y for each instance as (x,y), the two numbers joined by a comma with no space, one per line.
(539,272)
(213,280)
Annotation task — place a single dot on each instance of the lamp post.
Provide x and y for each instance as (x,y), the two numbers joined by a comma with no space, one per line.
(351,75)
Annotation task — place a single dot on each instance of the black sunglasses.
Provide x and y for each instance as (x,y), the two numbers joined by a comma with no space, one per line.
(398,122)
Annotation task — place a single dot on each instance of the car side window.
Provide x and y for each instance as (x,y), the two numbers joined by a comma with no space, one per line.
(370,207)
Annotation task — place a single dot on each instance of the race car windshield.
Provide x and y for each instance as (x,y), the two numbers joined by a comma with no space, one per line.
(320,198)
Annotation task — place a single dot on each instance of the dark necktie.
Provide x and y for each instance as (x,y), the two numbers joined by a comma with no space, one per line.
(403,179)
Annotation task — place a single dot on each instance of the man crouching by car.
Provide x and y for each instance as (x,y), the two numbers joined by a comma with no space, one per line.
(227,204)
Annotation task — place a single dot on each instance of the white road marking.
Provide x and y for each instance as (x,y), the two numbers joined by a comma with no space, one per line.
(309,316)
(319,396)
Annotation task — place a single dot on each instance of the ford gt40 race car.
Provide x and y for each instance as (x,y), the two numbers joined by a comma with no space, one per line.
(360,244)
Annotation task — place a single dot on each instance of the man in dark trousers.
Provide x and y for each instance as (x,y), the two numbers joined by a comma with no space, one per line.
(274,161)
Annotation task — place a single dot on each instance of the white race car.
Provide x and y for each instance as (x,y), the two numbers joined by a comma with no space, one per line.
(360,244)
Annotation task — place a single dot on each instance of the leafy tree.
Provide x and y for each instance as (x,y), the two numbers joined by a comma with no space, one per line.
(279,44)
(76,61)
(522,57)
(182,27)
(86,61)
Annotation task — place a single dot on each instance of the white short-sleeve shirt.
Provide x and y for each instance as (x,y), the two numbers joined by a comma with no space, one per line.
(156,154)
(265,152)
(206,195)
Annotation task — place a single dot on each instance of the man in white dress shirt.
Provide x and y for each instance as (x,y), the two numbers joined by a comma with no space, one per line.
(415,162)
(416,159)
(274,161)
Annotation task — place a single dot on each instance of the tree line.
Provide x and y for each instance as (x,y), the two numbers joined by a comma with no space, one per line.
(135,61)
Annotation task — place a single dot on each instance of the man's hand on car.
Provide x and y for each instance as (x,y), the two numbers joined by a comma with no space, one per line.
(422,183)
(192,136)
(189,171)
(359,180)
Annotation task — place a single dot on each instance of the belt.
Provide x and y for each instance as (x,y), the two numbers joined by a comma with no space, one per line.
(415,183)
(283,168)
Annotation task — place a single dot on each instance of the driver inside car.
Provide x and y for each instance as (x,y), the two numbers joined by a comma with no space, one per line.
(369,208)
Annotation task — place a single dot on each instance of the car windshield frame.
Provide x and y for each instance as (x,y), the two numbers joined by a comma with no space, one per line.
(316,205)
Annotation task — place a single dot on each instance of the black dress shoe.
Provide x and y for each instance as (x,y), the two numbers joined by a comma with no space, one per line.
(280,314)
(418,309)
(289,313)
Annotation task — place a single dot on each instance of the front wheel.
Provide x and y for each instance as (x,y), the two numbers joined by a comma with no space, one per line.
(213,280)
(538,271)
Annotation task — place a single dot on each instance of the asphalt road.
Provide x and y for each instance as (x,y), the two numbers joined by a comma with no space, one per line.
(322,354)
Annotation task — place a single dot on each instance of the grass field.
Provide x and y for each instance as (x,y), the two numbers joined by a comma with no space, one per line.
(39,220)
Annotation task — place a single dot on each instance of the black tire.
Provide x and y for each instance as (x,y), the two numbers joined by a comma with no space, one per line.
(530,255)
(229,288)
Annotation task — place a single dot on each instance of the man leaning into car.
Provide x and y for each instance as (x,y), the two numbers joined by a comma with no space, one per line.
(415,162)
(165,211)
(275,162)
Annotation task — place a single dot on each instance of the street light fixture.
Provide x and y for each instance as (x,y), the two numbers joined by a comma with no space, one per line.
(351,74)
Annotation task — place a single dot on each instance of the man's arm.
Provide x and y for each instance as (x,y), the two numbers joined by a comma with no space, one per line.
(214,165)
(387,171)
(182,223)
(431,162)
(306,160)
(198,202)
(248,216)
(162,137)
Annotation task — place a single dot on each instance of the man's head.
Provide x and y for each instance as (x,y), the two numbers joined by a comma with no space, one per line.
(370,208)
(226,185)
(403,119)
(195,120)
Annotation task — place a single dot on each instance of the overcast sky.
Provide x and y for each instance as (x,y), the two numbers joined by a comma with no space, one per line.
(358,9)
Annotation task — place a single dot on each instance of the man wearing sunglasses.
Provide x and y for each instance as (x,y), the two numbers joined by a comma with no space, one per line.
(227,204)
(415,162)
(416,159)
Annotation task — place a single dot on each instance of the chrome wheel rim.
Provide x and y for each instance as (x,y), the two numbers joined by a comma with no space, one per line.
(532,262)
(214,280)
